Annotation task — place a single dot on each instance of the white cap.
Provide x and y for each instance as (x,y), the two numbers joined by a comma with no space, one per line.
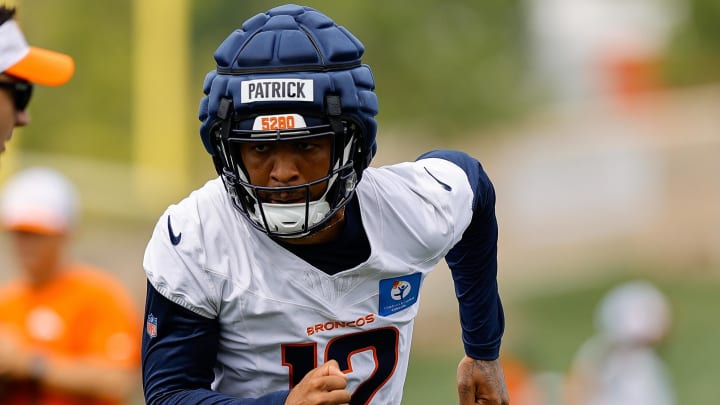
(36,65)
(635,311)
(39,200)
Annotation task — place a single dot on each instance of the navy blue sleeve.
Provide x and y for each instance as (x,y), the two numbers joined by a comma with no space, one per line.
(473,263)
(179,348)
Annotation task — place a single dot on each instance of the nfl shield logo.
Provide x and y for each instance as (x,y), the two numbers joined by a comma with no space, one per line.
(151,325)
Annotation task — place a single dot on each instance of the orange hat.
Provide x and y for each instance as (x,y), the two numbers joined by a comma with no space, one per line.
(35,65)
(39,200)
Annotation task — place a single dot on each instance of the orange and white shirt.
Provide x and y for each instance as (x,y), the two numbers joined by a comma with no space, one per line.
(83,313)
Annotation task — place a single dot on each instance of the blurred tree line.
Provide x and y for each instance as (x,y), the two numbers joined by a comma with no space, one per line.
(442,68)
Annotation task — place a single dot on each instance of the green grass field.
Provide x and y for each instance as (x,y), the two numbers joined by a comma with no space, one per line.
(545,330)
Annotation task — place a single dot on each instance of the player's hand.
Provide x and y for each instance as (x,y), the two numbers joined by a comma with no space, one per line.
(14,360)
(324,385)
(481,382)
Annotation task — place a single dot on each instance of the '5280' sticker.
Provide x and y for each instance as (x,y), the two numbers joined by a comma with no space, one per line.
(278,122)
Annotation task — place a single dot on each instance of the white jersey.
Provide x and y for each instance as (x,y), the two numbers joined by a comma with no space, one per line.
(279,316)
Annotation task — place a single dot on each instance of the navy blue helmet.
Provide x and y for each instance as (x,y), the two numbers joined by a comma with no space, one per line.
(290,73)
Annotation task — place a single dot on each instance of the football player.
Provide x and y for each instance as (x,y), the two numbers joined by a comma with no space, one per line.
(294,277)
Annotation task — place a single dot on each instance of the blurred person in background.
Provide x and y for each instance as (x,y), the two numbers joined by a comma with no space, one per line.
(68,331)
(22,66)
(620,364)
(589,50)
(294,276)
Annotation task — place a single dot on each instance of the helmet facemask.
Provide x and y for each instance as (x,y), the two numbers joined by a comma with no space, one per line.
(307,213)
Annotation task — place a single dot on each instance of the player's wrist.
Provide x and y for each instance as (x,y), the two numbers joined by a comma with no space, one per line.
(36,367)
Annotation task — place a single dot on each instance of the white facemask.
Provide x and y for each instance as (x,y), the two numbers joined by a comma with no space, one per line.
(289,218)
